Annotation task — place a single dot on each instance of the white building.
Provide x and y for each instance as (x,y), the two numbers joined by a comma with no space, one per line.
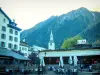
(9,32)
(73,56)
(51,44)
(83,41)
(25,48)
(37,48)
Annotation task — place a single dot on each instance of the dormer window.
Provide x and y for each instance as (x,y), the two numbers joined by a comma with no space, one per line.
(4,20)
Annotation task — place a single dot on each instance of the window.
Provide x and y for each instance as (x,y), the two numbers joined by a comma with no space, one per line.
(2,44)
(16,39)
(10,38)
(25,49)
(3,36)
(11,31)
(10,45)
(19,48)
(50,43)
(16,32)
(15,46)
(3,28)
(22,48)
(4,20)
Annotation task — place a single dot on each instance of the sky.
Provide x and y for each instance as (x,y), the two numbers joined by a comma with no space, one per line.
(27,13)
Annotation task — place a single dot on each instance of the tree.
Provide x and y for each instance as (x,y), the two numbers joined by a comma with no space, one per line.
(97,42)
(68,43)
(34,58)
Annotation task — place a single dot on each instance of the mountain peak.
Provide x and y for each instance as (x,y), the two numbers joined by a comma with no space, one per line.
(63,26)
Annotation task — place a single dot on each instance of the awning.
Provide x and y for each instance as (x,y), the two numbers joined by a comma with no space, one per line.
(9,53)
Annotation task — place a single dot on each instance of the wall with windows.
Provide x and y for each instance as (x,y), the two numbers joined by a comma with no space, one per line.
(3,30)
(9,37)
(25,50)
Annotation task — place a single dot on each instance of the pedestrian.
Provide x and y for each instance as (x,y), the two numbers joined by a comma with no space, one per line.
(75,71)
(90,68)
(69,72)
(7,71)
(66,71)
(81,66)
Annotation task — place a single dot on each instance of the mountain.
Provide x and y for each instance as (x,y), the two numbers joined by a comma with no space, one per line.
(75,22)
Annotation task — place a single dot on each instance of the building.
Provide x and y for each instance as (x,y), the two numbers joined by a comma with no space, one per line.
(12,61)
(38,48)
(51,44)
(25,48)
(9,32)
(70,56)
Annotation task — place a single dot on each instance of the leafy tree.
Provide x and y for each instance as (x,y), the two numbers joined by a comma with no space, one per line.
(68,43)
(34,58)
(97,42)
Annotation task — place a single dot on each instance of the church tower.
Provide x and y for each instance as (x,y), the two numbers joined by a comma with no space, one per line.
(51,44)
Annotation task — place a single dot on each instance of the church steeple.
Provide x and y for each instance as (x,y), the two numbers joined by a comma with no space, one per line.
(51,44)
(51,36)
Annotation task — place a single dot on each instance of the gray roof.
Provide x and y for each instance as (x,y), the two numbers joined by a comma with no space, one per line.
(9,53)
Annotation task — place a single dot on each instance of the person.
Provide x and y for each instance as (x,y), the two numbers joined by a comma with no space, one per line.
(69,72)
(66,71)
(63,71)
(90,68)
(22,70)
(75,71)
(81,66)
(7,71)
(11,72)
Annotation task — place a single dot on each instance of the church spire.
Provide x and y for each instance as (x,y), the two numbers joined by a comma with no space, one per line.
(51,36)
(51,44)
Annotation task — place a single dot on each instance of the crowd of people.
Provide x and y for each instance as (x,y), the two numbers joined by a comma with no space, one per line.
(71,70)
(64,71)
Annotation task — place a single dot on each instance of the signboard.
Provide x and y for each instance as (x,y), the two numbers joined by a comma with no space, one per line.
(83,41)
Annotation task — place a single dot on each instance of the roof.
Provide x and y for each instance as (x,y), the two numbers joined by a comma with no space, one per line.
(5,14)
(11,24)
(14,27)
(73,49)
(24,44)
(9,53)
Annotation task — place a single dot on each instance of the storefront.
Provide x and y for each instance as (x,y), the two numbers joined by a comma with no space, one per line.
(74,57)
(10,60)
